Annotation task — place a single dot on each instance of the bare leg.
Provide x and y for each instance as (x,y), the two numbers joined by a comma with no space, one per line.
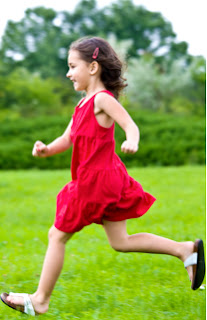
(146,242)
(52,267)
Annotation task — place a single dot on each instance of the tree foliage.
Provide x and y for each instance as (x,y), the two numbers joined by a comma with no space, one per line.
(40,40)
(155,90)
(34,43)
(27,94)
(161,74)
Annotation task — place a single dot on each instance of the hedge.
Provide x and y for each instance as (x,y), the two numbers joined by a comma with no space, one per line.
(165,140)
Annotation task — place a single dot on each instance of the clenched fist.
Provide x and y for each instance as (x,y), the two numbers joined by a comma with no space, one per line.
(129,147)
(40,149)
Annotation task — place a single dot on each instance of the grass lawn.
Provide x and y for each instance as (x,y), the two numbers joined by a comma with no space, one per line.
(97,282)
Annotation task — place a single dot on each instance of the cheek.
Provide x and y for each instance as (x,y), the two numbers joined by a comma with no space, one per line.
(76,74)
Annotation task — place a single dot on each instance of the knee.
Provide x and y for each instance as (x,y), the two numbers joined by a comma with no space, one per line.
(120,246)
(55,235)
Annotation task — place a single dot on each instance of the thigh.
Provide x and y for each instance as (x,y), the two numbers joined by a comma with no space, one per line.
(115,231)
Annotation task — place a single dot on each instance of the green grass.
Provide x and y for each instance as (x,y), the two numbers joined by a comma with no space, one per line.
(97,282)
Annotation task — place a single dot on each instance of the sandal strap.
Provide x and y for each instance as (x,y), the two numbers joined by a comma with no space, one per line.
(191,260)
(28,307)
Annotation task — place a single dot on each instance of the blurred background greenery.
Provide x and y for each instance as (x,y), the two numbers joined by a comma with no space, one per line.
(165,93)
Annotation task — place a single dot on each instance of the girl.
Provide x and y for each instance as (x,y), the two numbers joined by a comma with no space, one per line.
(101,191)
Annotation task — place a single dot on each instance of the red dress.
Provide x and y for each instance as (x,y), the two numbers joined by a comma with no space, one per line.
(101,187)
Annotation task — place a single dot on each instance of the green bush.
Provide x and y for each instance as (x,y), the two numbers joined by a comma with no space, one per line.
(28,95)
(165,140)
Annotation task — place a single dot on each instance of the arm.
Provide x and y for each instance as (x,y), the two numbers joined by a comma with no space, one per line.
(114,110)
(59,145)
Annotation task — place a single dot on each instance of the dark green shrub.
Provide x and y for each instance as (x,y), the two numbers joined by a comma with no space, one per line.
(165,140)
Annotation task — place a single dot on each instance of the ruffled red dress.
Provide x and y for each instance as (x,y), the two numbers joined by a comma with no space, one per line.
(101,187)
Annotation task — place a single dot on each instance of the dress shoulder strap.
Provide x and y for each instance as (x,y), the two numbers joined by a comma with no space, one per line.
(106,91)
(83,102)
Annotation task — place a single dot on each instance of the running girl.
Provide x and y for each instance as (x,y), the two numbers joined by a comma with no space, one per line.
(101,191)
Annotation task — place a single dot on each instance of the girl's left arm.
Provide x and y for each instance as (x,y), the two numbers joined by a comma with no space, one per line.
(114,109)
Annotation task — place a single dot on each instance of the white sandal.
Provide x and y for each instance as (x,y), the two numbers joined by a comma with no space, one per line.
(197,260)
(26,308)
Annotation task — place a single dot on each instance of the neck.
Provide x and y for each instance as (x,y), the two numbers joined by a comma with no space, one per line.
(94,88)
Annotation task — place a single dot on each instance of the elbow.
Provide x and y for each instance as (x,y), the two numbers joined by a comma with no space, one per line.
(136,131)
(132,131)
(136,128)
(67,143)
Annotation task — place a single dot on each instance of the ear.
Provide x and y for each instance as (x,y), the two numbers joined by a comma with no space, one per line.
(94,67)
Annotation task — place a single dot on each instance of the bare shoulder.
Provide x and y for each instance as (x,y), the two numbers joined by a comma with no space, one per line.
(104,101)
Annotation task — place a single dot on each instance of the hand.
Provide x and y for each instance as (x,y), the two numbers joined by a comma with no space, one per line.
(39,149)
(129,147)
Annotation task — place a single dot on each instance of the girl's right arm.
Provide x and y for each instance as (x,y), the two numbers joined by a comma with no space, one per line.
(59,145)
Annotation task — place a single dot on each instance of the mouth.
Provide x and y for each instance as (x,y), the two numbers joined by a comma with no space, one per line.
(75,85)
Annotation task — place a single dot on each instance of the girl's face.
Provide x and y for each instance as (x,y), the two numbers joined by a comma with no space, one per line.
(79,71)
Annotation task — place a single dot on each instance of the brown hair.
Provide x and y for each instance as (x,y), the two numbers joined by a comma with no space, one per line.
(111,66)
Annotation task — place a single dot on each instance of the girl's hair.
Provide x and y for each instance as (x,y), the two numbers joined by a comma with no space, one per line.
(98,49)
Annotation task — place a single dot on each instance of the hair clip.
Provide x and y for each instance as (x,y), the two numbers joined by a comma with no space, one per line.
(95,53)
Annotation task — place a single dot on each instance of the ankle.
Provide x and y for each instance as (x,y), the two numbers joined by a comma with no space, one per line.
(186,249)
(41,298)
(40,303)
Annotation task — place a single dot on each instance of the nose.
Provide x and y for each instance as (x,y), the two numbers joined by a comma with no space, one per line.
(68,75)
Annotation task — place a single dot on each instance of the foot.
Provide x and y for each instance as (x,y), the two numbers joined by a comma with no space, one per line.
(195,263)
(39,306)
